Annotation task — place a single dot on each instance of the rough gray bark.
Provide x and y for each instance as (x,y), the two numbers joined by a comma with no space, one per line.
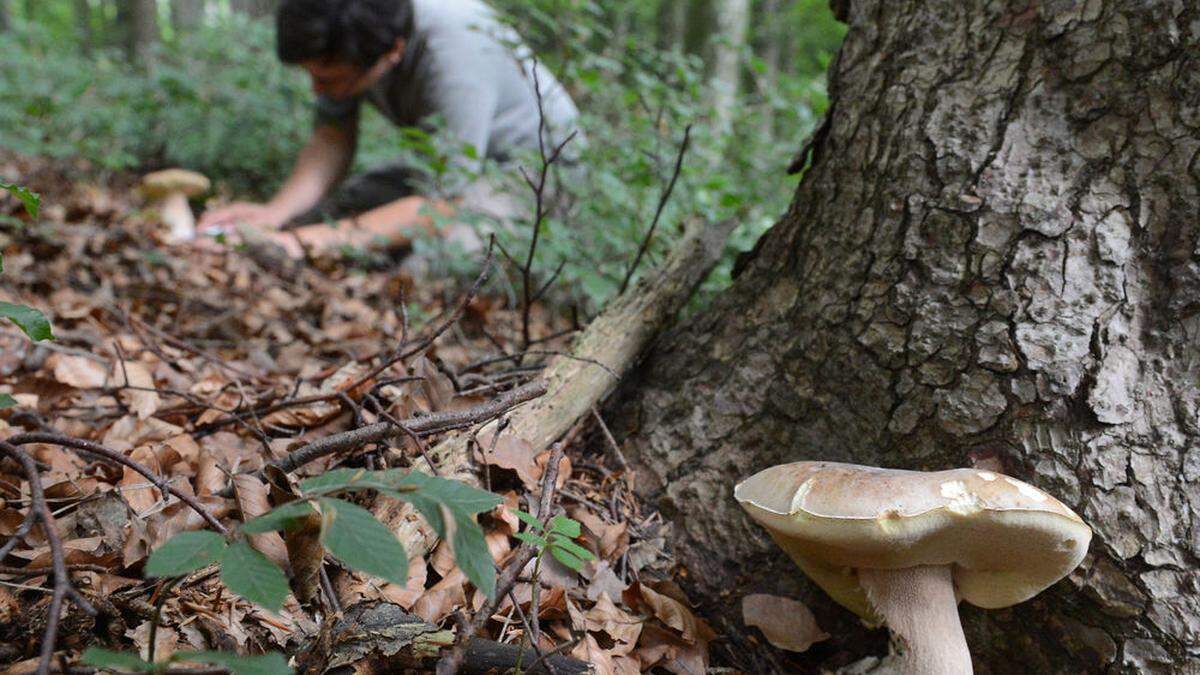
(770,28)
(82,12)
(994,259)
(729,38)
(137,21)
(187,15)
(257,9)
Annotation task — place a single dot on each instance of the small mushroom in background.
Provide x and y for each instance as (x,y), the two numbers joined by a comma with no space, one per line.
(168,191)
(903,547)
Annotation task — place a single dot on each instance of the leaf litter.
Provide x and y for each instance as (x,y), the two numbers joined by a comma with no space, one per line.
(181,360)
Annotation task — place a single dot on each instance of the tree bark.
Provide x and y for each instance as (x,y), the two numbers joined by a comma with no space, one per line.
(187,15)
(82,12)
(733,19)
(257,9)
(138,22)
(770,29)
(993,260)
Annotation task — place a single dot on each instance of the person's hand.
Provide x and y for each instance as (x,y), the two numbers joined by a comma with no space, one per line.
(227,218)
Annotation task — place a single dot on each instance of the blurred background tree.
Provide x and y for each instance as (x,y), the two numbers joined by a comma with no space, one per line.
(142,84)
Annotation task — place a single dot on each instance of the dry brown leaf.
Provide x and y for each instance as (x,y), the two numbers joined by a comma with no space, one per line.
(80,372)
(446,596)
(142,403)
(589,651)
(623,627)
(786,623)
(603,581)
(670,611)
(513,453)
(140,493)
(250,493)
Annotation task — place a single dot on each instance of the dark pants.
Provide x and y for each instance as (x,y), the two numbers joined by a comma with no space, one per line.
(363,192)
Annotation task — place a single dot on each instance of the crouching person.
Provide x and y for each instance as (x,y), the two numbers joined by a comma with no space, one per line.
(416,61)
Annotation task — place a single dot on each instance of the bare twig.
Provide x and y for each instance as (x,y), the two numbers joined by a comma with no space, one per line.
(62,577)
(450,664)
(662,203)
(111,455)
(372,433)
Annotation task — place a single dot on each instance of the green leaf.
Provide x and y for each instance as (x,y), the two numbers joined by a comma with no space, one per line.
(278,518)
(563,544)
(565,526)
(566,558)
(29,198)
(342,480)
(472,554)
(28,319)
(458,495)
(271,663)
(253,576)
(110,660)
(532,539)
(7,401)
(530,520)
(356,538)
(185,552)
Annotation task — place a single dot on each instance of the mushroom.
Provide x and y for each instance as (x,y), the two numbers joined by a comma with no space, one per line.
(169,191)
(903,547)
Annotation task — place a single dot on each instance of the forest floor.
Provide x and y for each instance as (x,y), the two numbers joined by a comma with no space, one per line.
(194,364)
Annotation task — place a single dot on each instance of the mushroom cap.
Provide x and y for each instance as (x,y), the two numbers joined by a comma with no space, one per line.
(162,183)
(1005,540)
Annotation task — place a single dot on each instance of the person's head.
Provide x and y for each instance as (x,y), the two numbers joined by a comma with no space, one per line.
(345,45)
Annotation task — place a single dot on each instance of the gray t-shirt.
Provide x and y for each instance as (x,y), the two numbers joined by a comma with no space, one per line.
(465,65)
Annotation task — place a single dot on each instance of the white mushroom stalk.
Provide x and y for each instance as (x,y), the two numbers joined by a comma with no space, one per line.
(919,607)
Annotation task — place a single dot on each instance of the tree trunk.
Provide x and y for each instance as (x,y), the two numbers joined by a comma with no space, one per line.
(993,260)
(187,15)
(138,22)
(83,24)
(770,38)
(733,18)
(257,9)
(672,22)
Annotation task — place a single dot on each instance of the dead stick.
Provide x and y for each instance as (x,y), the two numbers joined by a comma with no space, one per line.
(118,458)
(62,578)
(450,664)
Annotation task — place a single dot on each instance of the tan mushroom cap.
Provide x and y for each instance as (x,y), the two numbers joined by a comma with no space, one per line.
(162,183)
(1005,540)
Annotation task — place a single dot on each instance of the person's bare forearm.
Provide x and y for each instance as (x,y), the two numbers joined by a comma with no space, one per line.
(394,224)
(321,164)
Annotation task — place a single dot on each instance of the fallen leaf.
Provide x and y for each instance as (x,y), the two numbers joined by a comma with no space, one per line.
(143,403)
(80,372)
(250,493)
(786,623)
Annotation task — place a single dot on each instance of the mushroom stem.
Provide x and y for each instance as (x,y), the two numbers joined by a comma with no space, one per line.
(919,606)
(177,214)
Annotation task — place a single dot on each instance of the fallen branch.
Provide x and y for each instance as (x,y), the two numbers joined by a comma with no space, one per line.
(426,424)
(61,576)
(604,352)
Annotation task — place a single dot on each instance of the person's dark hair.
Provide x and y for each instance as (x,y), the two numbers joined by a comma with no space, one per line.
(352,31)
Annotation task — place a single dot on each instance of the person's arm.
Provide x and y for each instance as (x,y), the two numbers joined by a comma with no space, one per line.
(321,165)
(393,224)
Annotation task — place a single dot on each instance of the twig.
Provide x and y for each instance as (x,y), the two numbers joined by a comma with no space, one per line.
(612,445)
(118,458)
(372,433)
(539,213)
(662,203)
(450,664)
(62,578)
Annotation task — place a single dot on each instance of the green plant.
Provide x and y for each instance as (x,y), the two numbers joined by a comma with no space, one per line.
(267,664)
(32,322)
(347,531)
(557,539)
